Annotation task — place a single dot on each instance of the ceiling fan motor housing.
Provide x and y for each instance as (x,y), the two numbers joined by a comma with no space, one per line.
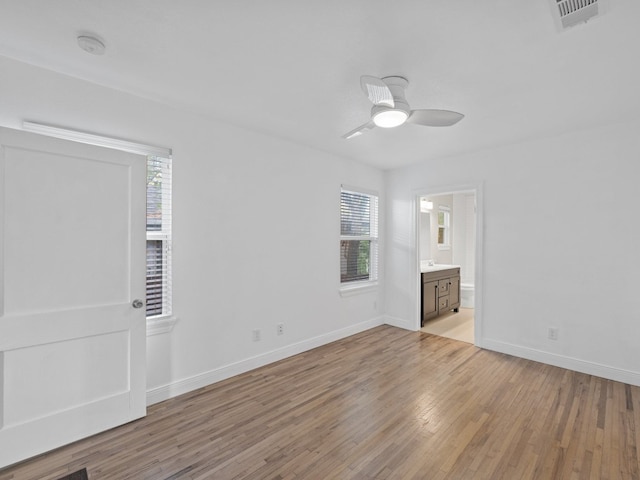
(397,114)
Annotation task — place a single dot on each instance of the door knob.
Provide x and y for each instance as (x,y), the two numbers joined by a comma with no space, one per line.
(137,303)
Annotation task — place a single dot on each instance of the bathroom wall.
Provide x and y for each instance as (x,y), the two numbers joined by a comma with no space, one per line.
(436,254)
(425,236)
(463,230)
(464,235)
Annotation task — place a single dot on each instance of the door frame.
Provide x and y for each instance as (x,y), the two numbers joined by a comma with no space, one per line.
(478,191)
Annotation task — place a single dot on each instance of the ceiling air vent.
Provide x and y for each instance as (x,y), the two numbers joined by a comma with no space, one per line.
(568,13)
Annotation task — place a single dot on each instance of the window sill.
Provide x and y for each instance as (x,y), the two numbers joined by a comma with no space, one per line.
(357,289)
(158,325)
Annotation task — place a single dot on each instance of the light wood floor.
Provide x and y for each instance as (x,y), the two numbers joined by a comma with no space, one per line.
(386,403)
(457,325)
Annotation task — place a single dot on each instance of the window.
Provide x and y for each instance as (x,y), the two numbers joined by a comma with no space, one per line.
(358,237)
(444,228)
(158,236)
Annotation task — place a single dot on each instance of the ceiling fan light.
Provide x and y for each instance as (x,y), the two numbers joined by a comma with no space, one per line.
(390,118)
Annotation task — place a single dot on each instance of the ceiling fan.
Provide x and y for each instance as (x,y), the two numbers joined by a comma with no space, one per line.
(390,108)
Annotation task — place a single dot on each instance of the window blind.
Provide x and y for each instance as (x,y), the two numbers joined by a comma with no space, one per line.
(358,236)
(159,281)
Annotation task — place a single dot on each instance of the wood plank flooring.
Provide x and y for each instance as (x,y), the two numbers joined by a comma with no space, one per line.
(385,404)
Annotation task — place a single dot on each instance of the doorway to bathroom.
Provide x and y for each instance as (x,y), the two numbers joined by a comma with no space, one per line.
(447,239)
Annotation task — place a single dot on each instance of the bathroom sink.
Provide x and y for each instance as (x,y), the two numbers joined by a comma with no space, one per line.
(425,267)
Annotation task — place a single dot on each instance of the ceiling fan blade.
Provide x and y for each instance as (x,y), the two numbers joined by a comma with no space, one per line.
(434,118)
(377,91)
(359,131)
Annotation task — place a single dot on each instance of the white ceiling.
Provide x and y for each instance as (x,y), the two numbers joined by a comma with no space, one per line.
(291,68)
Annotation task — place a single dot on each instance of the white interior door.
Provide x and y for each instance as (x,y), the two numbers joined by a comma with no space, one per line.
(72,260)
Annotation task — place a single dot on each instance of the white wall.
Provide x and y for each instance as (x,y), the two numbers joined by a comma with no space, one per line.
(463,220)
(543,264)
(256,229)
(245,257)
(425,237)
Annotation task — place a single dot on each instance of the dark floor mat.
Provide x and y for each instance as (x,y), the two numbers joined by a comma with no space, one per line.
(79,475)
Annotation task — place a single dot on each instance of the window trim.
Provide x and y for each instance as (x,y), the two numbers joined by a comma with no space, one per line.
(362,286)
(96,140)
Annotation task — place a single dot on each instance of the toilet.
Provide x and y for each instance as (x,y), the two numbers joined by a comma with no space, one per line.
(467,295)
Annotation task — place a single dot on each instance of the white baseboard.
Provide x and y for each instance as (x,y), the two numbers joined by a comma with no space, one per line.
(590,368)
(179,387)
(400,323)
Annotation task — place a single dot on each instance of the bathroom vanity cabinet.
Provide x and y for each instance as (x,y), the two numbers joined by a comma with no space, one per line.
(440,292)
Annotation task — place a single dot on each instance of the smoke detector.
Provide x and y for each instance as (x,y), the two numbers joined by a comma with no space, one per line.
(91,44)
(568,13)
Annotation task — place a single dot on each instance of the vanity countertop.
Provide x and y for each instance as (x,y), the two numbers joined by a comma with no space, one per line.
(425,267)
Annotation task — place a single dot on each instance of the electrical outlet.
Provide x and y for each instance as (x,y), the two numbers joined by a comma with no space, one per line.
(553,333)
(280,329)
(255,335)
